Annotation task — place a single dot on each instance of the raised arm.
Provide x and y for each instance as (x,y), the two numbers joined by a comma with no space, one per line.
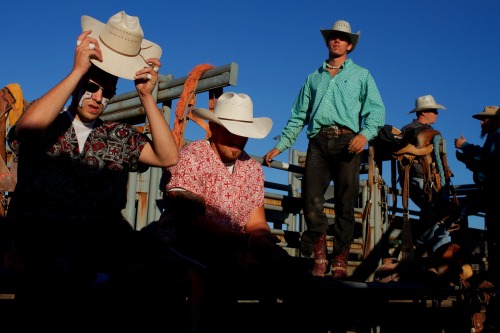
(162,151)
(43,111)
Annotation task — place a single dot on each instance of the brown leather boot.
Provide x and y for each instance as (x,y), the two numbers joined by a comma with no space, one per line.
(320,261)
(339,264)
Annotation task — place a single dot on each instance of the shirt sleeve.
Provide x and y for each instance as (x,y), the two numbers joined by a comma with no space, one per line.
(373,110)
(298,119)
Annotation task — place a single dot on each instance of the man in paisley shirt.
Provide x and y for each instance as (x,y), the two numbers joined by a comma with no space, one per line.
(65,213)
(342,108)
(214,211)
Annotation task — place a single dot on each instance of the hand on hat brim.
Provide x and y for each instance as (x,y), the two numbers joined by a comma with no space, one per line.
(117,63)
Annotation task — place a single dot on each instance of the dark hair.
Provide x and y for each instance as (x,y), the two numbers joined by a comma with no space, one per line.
(98,75)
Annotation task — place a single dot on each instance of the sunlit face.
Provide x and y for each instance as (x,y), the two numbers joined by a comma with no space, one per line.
(338,43)
(429,116)
(226,145)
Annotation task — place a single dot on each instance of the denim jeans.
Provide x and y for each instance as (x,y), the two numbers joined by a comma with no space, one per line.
(329,160)
(428,233)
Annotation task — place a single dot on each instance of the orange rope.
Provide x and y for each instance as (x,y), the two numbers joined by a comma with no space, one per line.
(187,100)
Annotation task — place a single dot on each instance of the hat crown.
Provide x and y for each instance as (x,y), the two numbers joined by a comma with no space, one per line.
(123,34)
(233,106)
(425,101)
(491,109)
(342,25)
(488,111)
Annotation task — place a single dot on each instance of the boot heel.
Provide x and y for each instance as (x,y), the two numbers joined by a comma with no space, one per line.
(339,265)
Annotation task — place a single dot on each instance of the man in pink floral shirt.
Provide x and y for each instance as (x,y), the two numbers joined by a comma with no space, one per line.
(214,211)
(230,197)
(219,182)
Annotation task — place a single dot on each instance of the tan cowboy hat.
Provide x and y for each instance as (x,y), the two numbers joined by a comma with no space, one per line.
(488,112)
(121,39)
(342,26)
(426,102)
(235,112)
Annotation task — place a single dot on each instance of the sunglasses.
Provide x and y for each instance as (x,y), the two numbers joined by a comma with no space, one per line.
(342,36)
(94,87)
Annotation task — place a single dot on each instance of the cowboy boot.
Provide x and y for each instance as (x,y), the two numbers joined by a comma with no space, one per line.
(320,261)
(339,264)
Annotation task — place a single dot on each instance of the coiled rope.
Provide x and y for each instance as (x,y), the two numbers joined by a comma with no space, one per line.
(187,101)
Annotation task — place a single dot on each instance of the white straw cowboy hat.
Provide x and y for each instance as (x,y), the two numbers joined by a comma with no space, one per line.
(488,112)
(345,27)
(426,102)
(235,112)
(122,43)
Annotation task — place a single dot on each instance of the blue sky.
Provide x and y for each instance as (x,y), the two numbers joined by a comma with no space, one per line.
(447,48)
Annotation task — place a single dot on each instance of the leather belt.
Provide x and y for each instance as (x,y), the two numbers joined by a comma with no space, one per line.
(333,132)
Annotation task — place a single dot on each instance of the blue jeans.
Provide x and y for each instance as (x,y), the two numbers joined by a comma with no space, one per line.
(428,233)
(327,160)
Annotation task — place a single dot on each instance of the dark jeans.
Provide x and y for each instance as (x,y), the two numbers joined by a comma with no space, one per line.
(428,234)
(327,160)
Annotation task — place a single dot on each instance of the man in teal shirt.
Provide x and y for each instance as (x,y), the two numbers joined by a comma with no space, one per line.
(343,110)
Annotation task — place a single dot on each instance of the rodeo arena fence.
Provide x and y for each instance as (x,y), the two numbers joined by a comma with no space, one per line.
(366,303)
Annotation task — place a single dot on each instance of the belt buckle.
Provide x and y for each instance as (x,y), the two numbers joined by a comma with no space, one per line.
(336,131)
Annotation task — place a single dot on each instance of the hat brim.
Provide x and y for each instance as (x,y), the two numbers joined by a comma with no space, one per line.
(258,129)
(428,107)
(115,63)
(482,116)
(353,37)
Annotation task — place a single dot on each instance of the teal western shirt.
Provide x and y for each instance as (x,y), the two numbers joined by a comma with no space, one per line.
(349,99)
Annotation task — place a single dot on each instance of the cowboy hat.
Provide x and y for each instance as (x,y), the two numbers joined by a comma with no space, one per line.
(235,112)
(426,102)
(345,27)
(121,40)
(488,112)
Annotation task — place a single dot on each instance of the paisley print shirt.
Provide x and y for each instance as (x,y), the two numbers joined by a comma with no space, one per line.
(54,176)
